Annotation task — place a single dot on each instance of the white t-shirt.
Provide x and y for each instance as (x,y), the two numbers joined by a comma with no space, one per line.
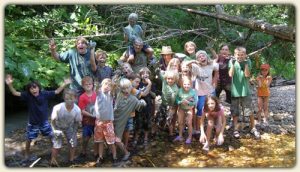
(65,119)
(202,75)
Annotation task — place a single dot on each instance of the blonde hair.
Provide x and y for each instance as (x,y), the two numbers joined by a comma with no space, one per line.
(106,81)
(144,69)
(125,83)
(185,78)
(172,74)
(173,61)
(189,43)
(240,49)
(100,52)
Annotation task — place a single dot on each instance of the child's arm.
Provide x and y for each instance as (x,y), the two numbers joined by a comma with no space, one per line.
(9,80)
(247,71)
(92,58)
(148,88)
(52,47)
(66,82)
(202,138)
(231,70)
(269,80)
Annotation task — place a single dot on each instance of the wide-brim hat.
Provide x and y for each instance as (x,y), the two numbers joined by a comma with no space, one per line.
(265,66)
(166,50)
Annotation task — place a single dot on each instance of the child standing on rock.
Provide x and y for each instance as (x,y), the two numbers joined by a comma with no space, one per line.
(264,80)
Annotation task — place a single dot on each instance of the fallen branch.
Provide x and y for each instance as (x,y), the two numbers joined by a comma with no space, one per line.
(36,161)
(269,44)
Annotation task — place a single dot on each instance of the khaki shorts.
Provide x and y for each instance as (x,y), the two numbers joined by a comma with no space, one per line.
(238,104)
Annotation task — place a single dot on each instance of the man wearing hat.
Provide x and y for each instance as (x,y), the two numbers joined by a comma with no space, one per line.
(166,56)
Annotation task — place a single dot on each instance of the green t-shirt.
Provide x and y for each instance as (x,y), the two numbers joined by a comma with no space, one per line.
(189,58)
(191,96)
(240,83)
(168,92)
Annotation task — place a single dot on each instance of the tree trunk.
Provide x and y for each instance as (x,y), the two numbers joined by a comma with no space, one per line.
(278,31)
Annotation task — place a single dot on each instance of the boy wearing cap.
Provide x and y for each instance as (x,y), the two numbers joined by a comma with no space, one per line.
(264,80)
(239,70)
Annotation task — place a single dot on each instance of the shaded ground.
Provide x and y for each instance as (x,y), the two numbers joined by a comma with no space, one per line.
(275,149)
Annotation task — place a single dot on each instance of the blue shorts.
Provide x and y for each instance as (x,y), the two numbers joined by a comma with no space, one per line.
(33,130)
(129,125)
(87,130)
(200,104)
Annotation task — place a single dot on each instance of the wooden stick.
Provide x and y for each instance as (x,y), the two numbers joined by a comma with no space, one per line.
(36,161)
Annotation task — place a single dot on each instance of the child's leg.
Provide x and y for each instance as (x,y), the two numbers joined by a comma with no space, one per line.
(180,115)
(126,138)
(266,109)
(170,119)
(54,153)
(131,54)
(100,150)
(189,122)
(113,150)
(210,126)
(122,147)
(72,153)
(27,149)
(96,147)
(260,107)
(200,104)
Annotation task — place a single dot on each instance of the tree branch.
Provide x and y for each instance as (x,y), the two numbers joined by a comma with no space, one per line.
(269,44)
(279,31)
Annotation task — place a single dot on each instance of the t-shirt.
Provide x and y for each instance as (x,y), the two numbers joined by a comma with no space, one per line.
(37,106)
(133,32)
(189,58)
(65,119)
(140,61)
(104,106)
(103,72)
(264,90)
(169,92)
(191,96)
(80,66)
(87,103)
(240,84)
(223,70)
(203,78)
(214,115)
(122,111)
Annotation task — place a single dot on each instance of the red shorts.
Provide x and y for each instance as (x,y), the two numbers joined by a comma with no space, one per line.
(104,131)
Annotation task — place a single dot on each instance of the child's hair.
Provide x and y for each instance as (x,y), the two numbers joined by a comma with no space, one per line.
(33,84)
(185,78)
(125,83)
(100,52)
(86,79)
(189,43)
(172,62)
(240,48)
(68,91)
(133,16)
(124,64)
(82,39)
(138,41)
(223,45)
(144,69)
(209,61)
(133,76)
(216,100)
(171,74)
(106,81)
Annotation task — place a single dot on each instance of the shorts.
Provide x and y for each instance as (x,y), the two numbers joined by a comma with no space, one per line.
(129,125)
(71,136)
(200,104)
(244,102)
(104,131)
(87,130)
(33,130)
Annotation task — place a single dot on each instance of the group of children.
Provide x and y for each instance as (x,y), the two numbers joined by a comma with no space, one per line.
(114,104)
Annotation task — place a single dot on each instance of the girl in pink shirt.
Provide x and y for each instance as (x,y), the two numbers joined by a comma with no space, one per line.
(214,113)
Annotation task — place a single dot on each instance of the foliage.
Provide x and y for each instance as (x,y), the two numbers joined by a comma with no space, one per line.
(29,27)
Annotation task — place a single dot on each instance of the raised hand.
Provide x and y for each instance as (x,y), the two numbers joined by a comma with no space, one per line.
(92,44)
(9,79)
(52,45)
(67,81)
